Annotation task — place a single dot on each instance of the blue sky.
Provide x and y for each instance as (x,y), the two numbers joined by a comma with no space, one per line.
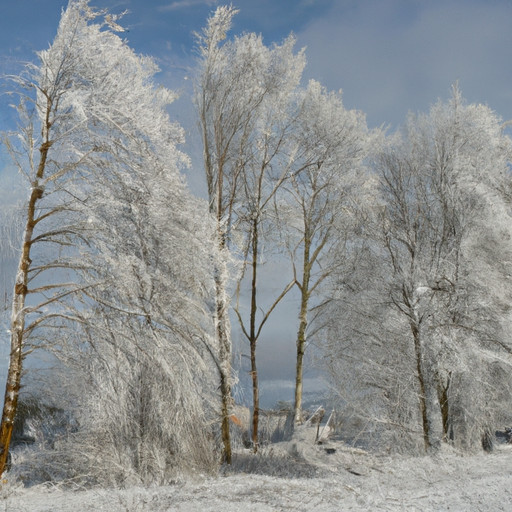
(388,57)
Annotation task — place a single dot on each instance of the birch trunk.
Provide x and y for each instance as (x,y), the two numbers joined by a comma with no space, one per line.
(299,368)
(301,334)
(14,371)
(224,343)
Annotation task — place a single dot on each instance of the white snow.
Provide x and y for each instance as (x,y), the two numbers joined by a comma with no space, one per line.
(348,479)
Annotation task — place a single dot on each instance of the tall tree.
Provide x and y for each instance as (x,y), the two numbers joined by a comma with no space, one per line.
(89,110)
(245,100)
(323,199)
(436,189)
(149,359)
(48,127)
(266,161)
(439,303)
(145,353)
(212,98)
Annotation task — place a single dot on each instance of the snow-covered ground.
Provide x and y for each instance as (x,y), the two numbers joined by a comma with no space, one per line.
(299,476)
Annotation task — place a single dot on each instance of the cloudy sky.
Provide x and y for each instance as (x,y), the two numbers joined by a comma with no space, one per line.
(388,57)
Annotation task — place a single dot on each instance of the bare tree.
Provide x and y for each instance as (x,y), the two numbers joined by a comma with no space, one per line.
(435,194)
(212,99)
(47,113)
(270,151)
(152,393)
(145,353)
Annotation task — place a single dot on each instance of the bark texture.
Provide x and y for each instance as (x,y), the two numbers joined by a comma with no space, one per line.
(301,334)
(15,369)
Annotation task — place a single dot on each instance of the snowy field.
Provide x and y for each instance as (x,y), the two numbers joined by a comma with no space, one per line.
(303,477)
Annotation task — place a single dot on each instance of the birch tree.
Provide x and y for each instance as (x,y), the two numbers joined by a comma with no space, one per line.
(211,95)
(435,196)
(89,110)
(150,365)
(47,127)
(244,98)
(269,156)
(323,201)
(437,315)
(145,352)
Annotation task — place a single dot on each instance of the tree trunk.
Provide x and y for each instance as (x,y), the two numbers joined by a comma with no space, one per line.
(222,327)
(301,334)
(225,390)
(444,403)
(12,387)
(427,407)
(13,384)
(253,337)
(224,364)
(299,369)
(255,400)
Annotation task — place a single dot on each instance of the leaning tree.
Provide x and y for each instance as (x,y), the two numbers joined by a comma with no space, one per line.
(91,120)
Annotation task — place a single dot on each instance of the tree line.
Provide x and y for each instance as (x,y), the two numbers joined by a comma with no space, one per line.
(398,246)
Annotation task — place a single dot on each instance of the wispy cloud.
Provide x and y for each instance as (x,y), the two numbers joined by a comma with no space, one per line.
(185,4)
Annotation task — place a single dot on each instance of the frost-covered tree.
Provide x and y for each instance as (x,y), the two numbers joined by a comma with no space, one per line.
(150,365)
(439,310)
(46,150)
(147,360)
(245,102)
(219,130)
(265,159)
(106,222)
(322,201)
